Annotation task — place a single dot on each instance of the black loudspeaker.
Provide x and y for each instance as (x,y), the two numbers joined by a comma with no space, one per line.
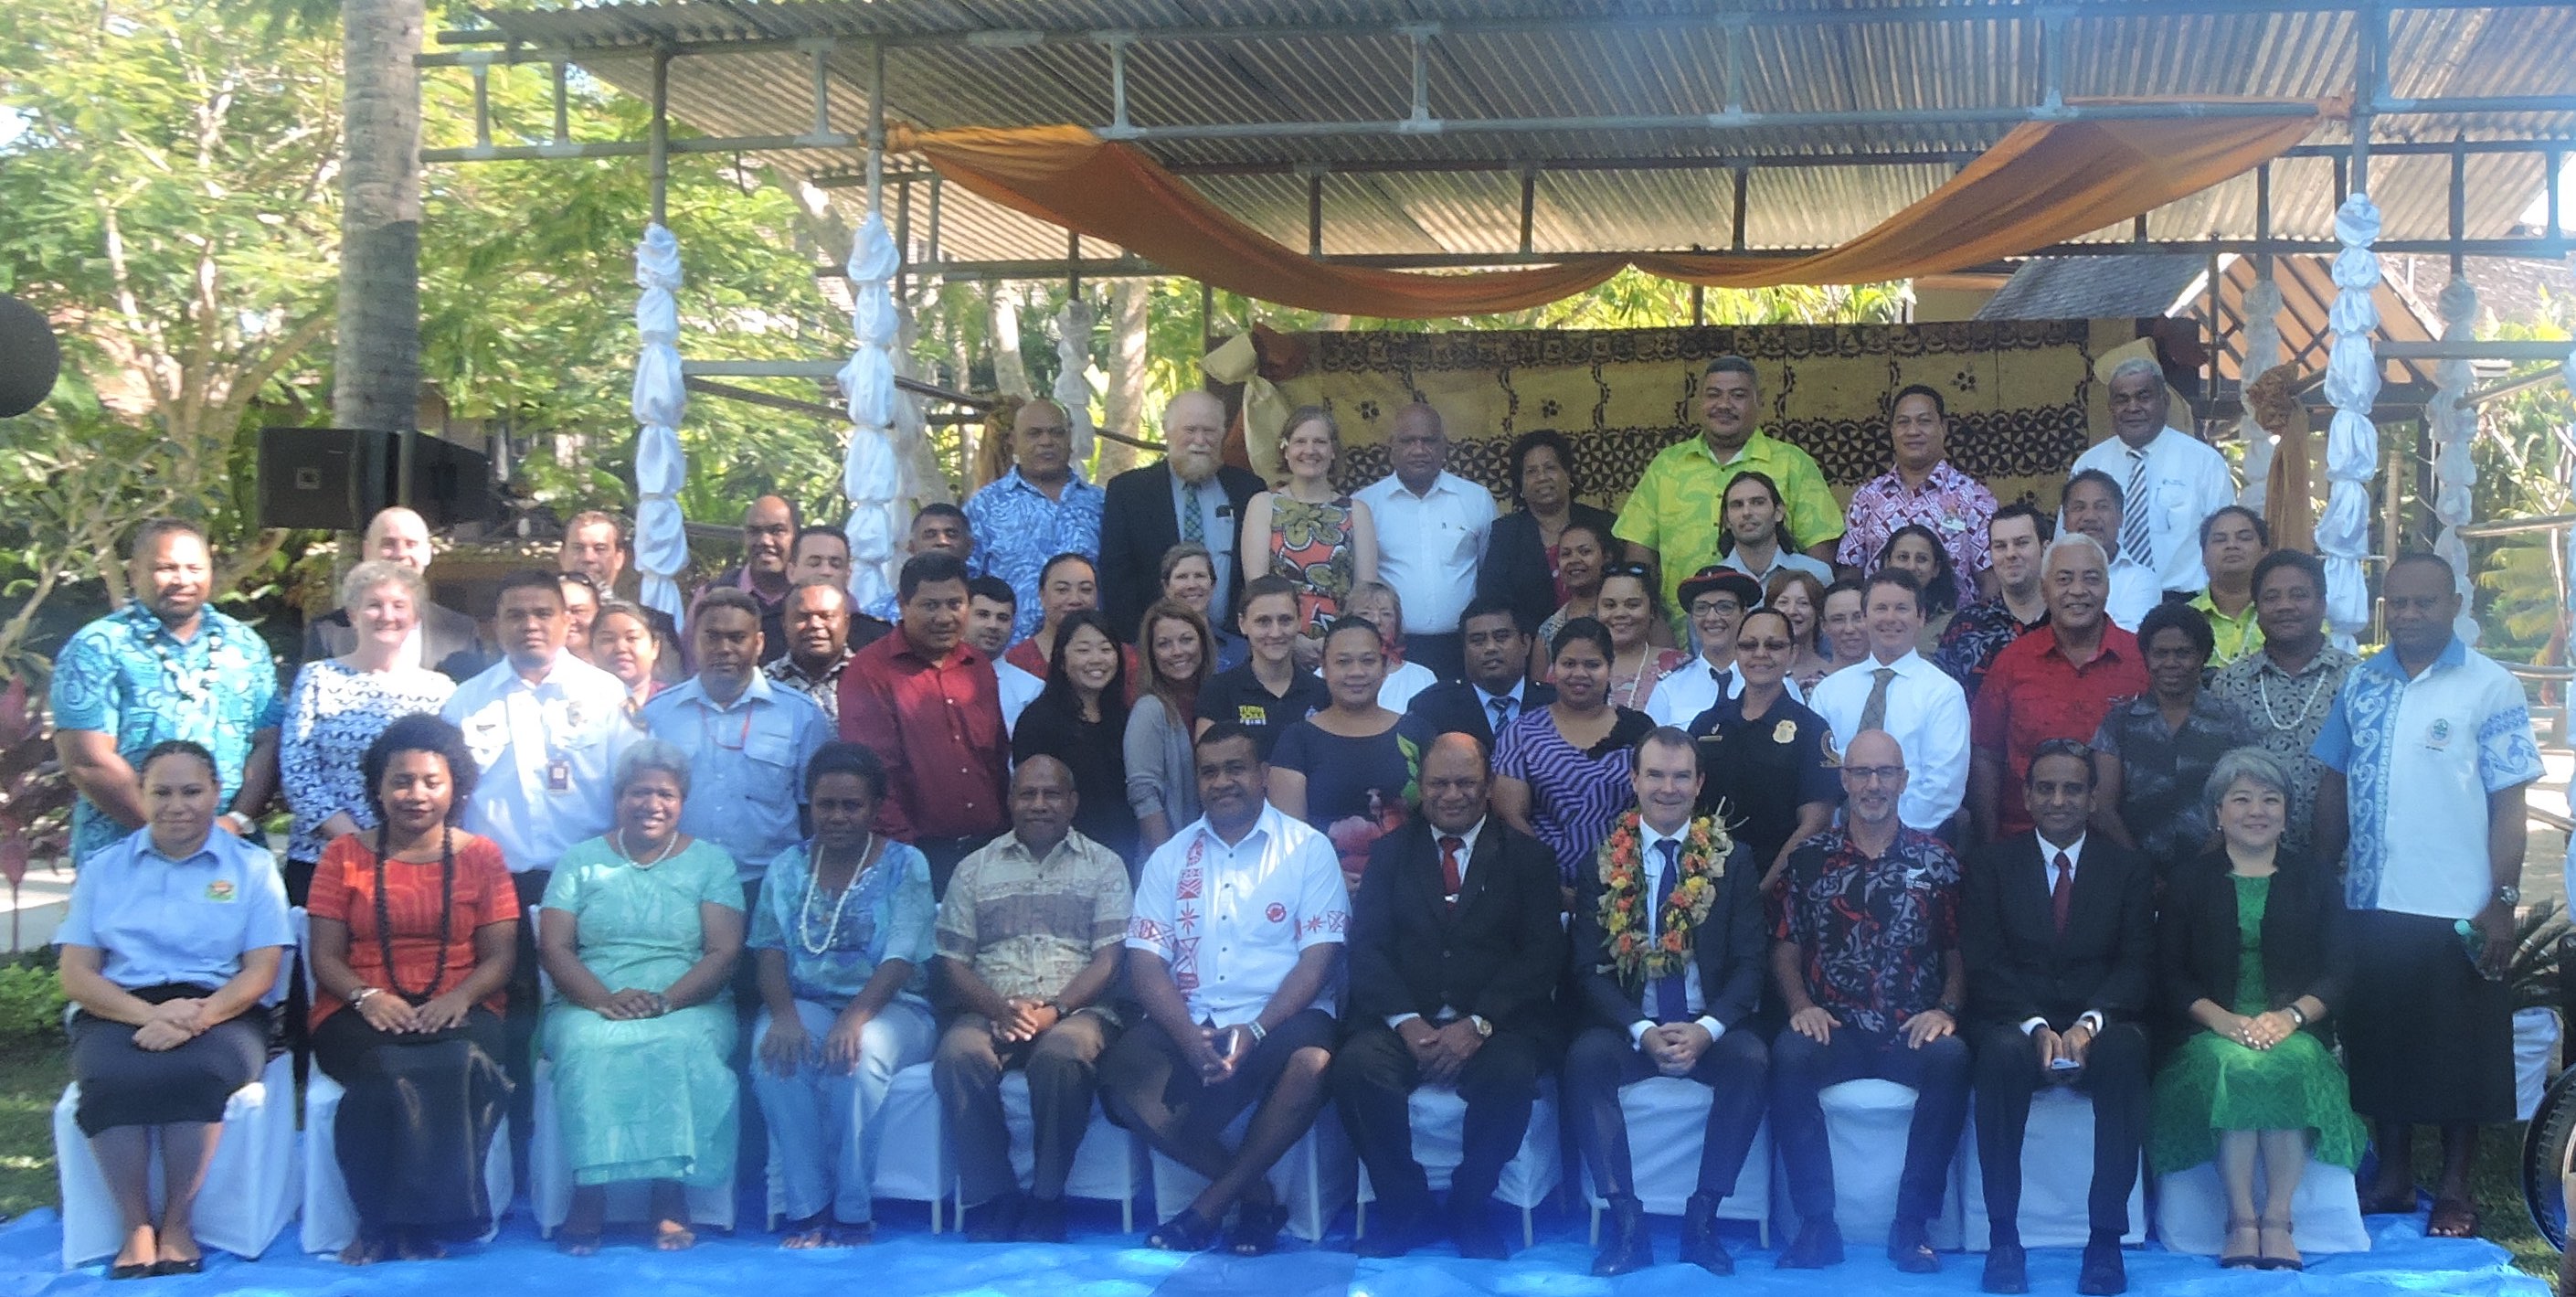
(335,479)
(29,357)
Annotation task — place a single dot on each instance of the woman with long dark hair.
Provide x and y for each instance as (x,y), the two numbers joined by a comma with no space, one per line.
(1080,719)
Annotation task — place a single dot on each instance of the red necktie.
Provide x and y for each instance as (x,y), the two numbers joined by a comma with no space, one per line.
(2061,898)
(1451,882)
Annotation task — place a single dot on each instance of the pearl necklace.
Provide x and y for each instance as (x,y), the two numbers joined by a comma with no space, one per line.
(813,882)
(667,845)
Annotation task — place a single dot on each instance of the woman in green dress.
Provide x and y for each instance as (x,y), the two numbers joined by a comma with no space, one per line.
(640,932)
(2250,960)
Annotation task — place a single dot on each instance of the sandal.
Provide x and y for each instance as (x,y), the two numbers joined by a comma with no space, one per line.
(2241,1260)
(814,1231)
(673,1236)
(2451,1218)
(576,1243)
(1256,1228)
(1187,1232)
(2271,1261)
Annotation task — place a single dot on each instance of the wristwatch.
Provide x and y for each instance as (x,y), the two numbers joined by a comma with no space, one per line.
(2508,894)
(242,824)
(1484,1029)
(1950,1007)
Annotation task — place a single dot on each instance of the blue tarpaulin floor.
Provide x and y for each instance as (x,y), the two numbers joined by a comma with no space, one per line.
(908,1261)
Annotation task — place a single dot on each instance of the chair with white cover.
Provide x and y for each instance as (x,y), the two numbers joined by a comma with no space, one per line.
(550,1175)
(2056,1177)
(1667,1126)
(2325,1214)
(1315,1177)
(1108,1166)
(1438,1118)
(251,1187)
(1867,1123)
(912,1155)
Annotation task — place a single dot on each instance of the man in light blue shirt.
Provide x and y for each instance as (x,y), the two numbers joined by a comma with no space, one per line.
(545,729)
(747,738)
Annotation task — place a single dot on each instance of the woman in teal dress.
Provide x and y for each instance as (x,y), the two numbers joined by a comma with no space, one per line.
(2249,956)
(640,932)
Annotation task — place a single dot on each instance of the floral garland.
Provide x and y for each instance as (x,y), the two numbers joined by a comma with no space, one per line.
(1705,847)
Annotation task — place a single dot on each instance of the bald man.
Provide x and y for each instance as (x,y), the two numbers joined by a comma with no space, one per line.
(1432,526)
(446,641)
(769,528)
(1192,495)
(1042,508)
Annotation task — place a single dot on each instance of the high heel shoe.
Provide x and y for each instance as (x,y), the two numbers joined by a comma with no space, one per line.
(2267,1261)
(2242,1260)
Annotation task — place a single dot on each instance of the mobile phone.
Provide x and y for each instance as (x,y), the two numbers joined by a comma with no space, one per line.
(2064,1065)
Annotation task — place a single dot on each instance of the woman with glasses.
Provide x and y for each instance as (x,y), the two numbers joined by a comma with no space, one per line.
(1767,768)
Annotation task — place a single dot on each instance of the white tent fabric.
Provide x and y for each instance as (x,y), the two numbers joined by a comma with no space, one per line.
(659,401)
(2262,353)
(1072,374)
(2352,443)
(872,475)
(2454,426)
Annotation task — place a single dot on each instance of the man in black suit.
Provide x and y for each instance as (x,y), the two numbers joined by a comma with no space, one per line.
(1497,688)
(2058,932)
(450,642)
(1455,955)
(1143,515)
(1644,1020)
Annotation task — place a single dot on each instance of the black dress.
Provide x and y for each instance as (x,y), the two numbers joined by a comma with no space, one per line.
(1096,752)
(1761,771)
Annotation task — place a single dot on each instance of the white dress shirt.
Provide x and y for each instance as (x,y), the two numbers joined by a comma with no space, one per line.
(2091,1019)
(1680,697)
(1466,855)
(1927,713)
(1692,1001)
(1402,683)
(2134,591)
(2187,480)
(1230,921)
(1018,690)
(1428,545)
(547,753)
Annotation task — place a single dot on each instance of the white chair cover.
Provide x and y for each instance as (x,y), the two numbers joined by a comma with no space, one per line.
(1667,1124)
(1866,1124)
(2056,1177)
(1109,1165)
(251,1190)
(1439,1120)
(1315,1177)
(2325,1214)
(330,1219)
(912,1159)
(550,1175)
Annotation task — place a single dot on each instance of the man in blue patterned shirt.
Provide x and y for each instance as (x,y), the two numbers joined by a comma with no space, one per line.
(1040,509)
(164,666)
(1868,964)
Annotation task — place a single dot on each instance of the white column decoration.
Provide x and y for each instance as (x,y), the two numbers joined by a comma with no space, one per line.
(871,474)
(1073,373)
(660,401)
(2262,354)
(2454,428)
(2352,443)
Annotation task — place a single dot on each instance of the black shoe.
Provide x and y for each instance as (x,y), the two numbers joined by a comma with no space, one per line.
(1910,1248)
(997,1221)
(1630,1249)
(1819,1244)
(2103,1273)
(1041,1221)
(189,1265)
(2007,1269)
(1399,1229)
(1471,1227)
(1700,1246)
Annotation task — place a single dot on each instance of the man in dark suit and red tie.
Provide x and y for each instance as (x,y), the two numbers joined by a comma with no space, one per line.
(1650,1011)
(1192,495)
(1455,954)
(2058,929)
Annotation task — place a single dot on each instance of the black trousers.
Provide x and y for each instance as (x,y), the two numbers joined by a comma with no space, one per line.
(1801,1069)
(1602,1060)
(2115,1075)
(1444,653)
(1373,1078)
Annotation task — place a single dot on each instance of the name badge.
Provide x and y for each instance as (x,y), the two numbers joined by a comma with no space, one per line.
(558,776)
(220,890)
(2438,737)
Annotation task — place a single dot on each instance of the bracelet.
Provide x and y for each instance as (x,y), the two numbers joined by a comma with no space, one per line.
(361,996)
(1254,1027)
(241,823)
(2295,1014)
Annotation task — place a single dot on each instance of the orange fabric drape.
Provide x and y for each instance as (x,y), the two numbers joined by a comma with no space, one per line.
(2044,183)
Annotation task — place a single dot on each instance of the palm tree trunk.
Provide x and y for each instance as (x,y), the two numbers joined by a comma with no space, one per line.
(1010,372)
(376,378)
(1124,402)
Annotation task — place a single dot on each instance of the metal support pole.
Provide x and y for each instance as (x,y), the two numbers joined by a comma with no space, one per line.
(2549,174)
(1315,212)
(563,120)
(876,126)
(1735,38)
(2263,219)
(1743,200)
(903,240)
(1118,84)
(1529,206)
(822,52)
(657,157)
(930,248)
(2459,207)
(1073,263)
(2369,85)
(482,106)
(1421,119)
(1699,305)
(2052,61)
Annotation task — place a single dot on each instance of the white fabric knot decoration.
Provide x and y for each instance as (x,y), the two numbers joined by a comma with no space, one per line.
(1072,374)
(2262,354)
(871,475)
(660,400)
(2454,425)
(2352,441)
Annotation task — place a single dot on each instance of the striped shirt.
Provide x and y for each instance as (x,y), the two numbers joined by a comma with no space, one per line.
(1574,794)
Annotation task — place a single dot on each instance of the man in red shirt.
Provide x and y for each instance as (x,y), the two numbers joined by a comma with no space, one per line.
(2053,683)
(928,704)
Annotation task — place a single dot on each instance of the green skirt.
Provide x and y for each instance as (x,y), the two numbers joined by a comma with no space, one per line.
(2214,1084)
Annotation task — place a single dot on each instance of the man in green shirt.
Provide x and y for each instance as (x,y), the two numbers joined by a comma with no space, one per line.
(1673,517)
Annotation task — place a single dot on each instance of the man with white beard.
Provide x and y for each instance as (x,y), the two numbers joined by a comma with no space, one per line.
(1193,495)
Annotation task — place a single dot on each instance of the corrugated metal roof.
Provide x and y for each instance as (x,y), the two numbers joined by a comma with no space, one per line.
(1603,60)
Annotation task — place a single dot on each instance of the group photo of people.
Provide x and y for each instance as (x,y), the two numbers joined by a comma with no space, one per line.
(1227,807)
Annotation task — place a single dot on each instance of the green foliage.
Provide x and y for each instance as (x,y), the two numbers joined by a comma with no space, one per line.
(31,999)
(2526,460)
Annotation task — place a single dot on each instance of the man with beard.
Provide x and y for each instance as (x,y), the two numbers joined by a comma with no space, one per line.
(165,666)
(1192,496)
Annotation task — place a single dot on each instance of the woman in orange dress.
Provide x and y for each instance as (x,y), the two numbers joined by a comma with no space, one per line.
(1319,539)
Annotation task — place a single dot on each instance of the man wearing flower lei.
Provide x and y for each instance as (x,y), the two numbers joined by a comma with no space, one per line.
(1867,961)
(1668,958)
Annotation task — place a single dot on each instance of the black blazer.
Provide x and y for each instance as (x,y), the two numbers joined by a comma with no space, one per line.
(1500,956)
(2019,969)
(1454,706)
(1731,948)
(451,644)
(1515,567)
(2197,945)
(1137,524)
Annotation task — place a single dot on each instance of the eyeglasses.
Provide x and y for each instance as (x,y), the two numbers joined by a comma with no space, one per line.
(1874,774)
